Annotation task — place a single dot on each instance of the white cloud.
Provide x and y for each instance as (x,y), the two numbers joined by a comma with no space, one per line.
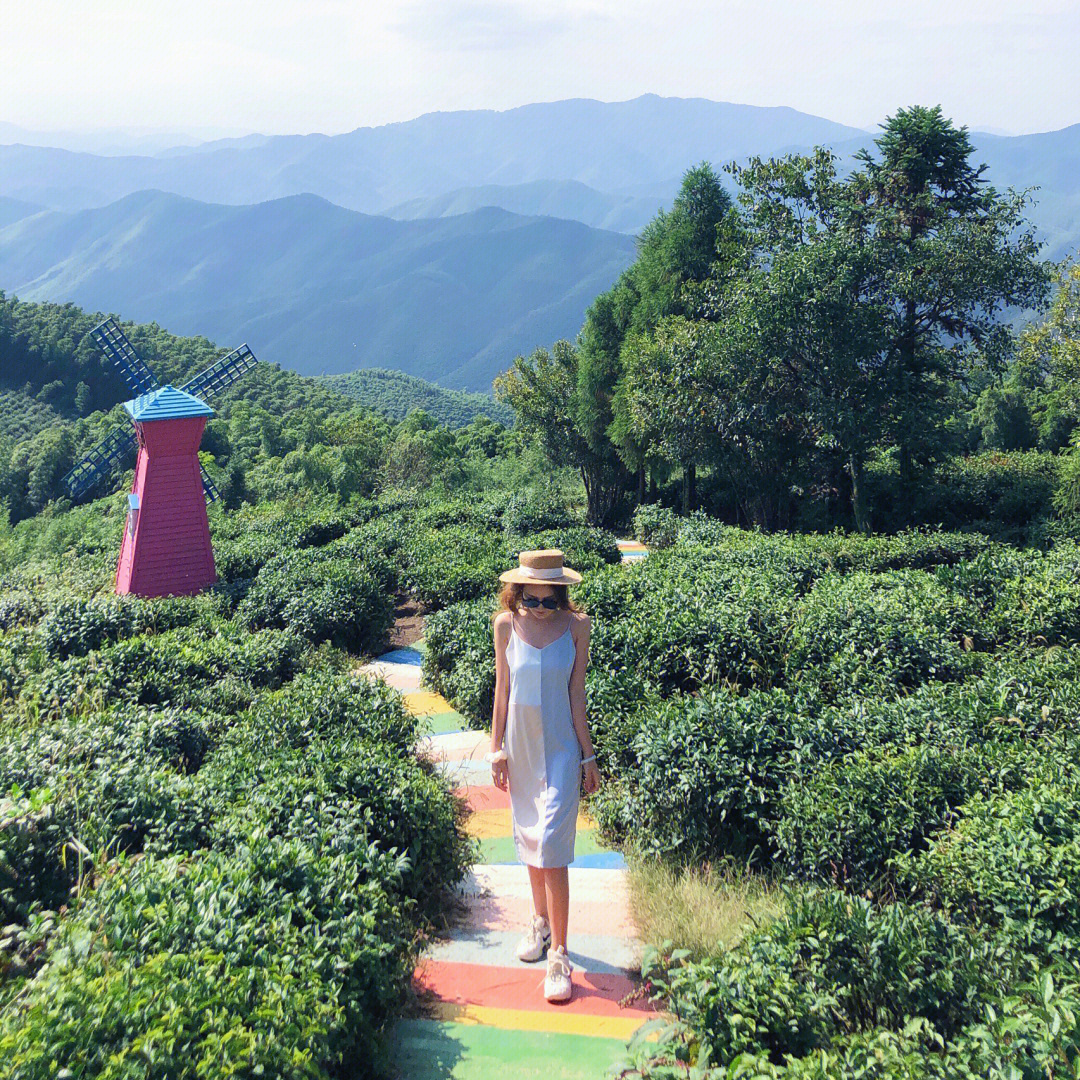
(331,65)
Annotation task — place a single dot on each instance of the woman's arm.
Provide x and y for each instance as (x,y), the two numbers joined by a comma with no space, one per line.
(577,685)
(502,681)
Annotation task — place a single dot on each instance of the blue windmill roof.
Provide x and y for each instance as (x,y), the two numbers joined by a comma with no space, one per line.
(166,403)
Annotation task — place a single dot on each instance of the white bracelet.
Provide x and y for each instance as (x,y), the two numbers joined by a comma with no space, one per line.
(584,759)
(495,755)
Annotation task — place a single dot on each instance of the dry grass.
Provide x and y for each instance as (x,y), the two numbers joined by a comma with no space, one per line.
(700,909)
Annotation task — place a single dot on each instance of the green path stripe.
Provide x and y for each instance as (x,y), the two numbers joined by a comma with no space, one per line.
(500,849)
(441,1049)
(441,723)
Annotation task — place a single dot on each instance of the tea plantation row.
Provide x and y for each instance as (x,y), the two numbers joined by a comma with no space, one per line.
(886,727)
(218,852)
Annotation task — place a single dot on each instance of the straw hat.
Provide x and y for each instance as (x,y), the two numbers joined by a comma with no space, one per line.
(541,567)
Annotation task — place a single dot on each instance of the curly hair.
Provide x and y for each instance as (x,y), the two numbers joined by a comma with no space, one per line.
(511,592)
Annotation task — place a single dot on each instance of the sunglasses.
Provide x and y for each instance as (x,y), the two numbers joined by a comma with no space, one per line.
(531,602)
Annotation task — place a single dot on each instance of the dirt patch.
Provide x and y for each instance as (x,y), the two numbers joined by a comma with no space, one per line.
(408,622)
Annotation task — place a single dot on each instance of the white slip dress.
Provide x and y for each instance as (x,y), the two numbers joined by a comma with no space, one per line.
(542,750)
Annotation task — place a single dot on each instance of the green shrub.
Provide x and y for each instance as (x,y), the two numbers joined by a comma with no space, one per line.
(832,967)
(845,820)
(444,566)
(706,773)
(459,661)
(993,491)
(900,624)
(656,526)
(19,605)
(181,666)
(75,626)
(323,598)
(1012,857)
(283,958)
(1031,1030)
(533,511)
(85,788)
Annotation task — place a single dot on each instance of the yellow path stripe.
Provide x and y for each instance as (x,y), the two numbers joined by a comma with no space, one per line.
(550,1019)
(422,702)
(486,824)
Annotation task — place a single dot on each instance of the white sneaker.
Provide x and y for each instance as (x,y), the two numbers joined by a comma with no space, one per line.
(537,938)
(557,986)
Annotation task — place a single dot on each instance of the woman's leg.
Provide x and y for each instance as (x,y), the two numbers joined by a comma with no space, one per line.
(540,900)
(557,884)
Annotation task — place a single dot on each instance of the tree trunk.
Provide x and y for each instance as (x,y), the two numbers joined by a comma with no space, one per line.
(641,484)
(907,464)
(693,487)
(652,483)
(858,494)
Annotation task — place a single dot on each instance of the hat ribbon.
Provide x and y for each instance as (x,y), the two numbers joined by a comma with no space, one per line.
(542,572)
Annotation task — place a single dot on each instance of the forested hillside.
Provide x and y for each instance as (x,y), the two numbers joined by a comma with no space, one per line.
(59,397)
(394,394)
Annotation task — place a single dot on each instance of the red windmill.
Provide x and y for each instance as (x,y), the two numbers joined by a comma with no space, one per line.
(166,548)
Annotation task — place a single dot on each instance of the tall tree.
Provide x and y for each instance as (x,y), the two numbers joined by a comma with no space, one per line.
(879,283)
(949,254)
(542,391)
(676,250)
(1047,362)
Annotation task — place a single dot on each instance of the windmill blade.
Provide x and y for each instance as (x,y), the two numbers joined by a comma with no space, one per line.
(209,488)
(221,373)
(107,456)
(112,342)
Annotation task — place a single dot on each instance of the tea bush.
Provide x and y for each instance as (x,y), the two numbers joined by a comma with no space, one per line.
(84,788)
(706,772)
(74,626)
(1012,858)
(322,597)
(281,958)
(182,666)
(900,624)
(847,819)
(291,854)
(830,968)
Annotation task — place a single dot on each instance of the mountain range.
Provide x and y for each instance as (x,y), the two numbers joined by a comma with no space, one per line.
(440,246)
(320,289)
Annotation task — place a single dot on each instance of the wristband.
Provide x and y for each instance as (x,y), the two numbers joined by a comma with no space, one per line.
(584,759)
(495,755)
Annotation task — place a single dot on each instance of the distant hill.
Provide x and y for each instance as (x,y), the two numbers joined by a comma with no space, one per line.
(50,368)
(395,394)
(606,164)
(107,141)
(320,289)
(46,355)
(15,209)
(554,198)
(605,145)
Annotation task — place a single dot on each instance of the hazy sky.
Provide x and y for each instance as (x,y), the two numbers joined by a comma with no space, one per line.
(279,66)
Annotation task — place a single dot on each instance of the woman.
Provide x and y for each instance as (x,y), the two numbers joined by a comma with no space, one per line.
(541,652)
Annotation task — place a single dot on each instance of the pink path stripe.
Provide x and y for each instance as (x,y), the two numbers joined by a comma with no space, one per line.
(595,993)
(484,798)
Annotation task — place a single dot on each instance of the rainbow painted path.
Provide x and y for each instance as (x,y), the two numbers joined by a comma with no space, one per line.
(489,1018)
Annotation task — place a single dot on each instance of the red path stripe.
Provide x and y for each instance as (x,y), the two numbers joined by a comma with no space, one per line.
(596,993)
(484,797)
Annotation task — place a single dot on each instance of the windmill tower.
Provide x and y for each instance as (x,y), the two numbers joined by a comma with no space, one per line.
(166,547)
